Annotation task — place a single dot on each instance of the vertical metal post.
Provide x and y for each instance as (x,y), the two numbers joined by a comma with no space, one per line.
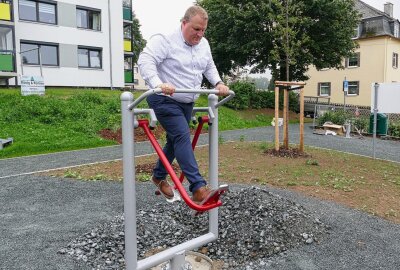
(22,65)
(344,94)
(376,87)
(178,261)
(129,181)
(40,62)
(213,161)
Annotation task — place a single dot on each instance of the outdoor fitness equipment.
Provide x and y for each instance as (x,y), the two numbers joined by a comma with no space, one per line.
(176,254)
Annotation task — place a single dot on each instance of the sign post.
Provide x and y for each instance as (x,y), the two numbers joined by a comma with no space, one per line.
(376,87)
(345,91)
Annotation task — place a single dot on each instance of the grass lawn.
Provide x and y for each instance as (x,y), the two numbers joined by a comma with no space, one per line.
(70,119)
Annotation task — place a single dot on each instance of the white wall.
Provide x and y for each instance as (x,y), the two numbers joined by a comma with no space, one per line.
(70,76)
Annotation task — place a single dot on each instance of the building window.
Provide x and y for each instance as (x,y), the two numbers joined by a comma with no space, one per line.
(128,32)
(89,57)
(48,54)
(128,63)
(396,30)
(38,11)
(324,89)
(356,33)
(354,88)
(353,61)
(88,19)
(6,38)
(127,3)
(395,60)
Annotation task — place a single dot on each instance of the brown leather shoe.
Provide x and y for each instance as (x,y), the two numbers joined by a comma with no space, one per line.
(201,194)
(163,187)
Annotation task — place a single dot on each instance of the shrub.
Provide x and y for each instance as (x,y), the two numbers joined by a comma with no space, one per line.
(394,129)
(247,97)
(361,123)
(336,117)
(243,92)
(262,99)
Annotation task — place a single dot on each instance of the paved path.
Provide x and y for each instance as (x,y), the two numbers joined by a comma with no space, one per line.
(39,215)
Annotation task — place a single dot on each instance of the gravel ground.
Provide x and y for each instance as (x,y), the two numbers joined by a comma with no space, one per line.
(254,224)
(42,215)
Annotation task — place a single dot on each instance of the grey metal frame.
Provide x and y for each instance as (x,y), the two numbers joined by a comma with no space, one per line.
(176,253)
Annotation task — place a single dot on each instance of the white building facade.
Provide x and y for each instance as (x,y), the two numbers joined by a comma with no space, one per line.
(78,43)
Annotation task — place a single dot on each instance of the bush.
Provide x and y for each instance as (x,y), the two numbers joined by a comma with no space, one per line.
(243,92)
(336,117)
(262,99)
(394,129)
(247,97)
(361,123)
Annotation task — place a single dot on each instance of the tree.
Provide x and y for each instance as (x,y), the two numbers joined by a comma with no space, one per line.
(138,42)
(267,34)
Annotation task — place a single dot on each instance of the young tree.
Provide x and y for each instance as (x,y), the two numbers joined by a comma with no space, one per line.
(268,34)
(138,42)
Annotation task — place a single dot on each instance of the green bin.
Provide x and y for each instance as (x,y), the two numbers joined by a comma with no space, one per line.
(381,124)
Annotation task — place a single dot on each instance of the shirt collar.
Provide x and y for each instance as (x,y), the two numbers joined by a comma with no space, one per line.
(183,39)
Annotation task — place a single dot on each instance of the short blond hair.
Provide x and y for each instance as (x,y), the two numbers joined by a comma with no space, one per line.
(193,11)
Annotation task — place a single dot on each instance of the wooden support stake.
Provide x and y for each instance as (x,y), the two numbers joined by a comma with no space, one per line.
(283,83)
(301,144)
(276,118)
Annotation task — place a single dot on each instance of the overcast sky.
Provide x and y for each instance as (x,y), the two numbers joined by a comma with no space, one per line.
(160,16)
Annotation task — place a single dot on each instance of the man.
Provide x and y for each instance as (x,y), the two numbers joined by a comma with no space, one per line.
(179,60)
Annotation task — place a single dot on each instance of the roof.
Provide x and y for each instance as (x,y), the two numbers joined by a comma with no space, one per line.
(368,11)
(374,22)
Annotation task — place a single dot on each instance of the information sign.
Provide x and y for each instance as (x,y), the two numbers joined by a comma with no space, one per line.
(32,85)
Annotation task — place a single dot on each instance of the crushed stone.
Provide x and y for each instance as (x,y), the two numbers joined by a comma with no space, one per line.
(254,225)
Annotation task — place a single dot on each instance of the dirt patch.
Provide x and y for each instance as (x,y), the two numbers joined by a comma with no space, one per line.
(140,135)
(359,182)
(287,153)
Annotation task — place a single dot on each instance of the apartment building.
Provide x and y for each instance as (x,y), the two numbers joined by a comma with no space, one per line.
(376,60)
(79,43)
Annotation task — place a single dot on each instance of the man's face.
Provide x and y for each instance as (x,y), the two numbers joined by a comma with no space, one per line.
(193,30)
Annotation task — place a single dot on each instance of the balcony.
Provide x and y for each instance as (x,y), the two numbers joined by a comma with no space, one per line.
(127,14)
(5,11)
(127,45)
(128,76)
(127,10)
(7,64)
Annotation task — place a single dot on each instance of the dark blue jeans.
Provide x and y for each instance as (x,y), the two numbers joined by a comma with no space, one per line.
(174,118)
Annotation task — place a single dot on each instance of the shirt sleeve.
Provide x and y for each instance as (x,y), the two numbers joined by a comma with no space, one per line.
(152,55)
(211,72)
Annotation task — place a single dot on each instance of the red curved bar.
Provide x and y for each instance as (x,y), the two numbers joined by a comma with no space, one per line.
(144,123)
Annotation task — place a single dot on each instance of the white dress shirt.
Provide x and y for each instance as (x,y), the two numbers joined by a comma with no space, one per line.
(169,59)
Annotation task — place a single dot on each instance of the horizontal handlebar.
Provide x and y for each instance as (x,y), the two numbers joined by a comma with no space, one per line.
(181,90)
